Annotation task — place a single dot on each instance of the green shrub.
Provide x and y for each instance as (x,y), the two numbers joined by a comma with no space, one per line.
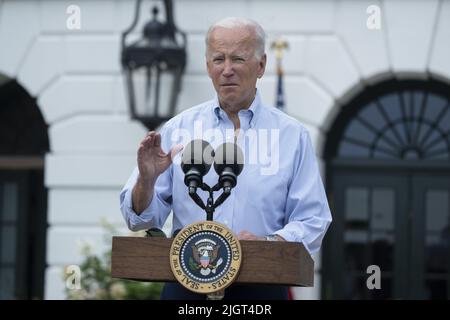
(96,282)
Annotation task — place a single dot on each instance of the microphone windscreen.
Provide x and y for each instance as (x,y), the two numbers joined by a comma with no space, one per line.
(229,155)
(199,154)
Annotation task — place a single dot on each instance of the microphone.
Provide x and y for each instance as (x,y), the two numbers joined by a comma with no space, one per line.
(228,163)
(196,161)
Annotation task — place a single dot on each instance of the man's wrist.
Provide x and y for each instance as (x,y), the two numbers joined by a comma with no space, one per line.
(146,181)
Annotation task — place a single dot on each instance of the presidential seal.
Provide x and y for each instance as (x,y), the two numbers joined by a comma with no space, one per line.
(205,257)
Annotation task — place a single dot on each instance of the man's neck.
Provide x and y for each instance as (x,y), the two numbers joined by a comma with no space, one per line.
(233,111)
(233,115)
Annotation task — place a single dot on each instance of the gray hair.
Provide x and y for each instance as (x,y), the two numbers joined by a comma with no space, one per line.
(233,22)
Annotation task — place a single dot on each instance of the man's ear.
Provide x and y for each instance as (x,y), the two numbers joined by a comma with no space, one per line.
(262,66)
(207,66)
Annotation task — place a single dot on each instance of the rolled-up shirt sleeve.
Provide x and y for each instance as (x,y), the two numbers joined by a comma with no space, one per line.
(159,208)
(307,212)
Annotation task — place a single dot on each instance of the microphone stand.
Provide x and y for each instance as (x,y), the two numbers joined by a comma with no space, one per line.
(210,206)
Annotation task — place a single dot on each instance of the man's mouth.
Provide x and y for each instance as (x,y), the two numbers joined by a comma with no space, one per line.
(229,85)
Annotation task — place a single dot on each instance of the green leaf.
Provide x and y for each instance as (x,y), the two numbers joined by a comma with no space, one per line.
(96,281)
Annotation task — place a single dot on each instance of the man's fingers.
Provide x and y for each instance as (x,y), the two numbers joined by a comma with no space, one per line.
(246,235)
(153,139)
(141,149)
(175,150)
(144,143)
(150,139)
(157,140)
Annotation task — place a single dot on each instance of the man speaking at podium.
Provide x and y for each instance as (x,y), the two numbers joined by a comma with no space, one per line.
(279,195)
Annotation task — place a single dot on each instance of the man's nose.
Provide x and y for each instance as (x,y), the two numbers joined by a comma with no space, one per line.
(228,69)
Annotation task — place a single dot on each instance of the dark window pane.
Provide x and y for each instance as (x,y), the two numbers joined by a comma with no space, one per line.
(390,134)
(406,100)
(444,124)
(381,154)
(411,154)
(383,251)
(401,130)
(424,131)
(357,289)
(356,251)
(357,129)
(387,144)
(383,204)
(431,136)
(357,205)
(371,114)
(8,211)
(7,283)
(436,288)
(8,244)
(439,156)
(385,292)
(437,231)
(437,145)
(391,104)
(382,225)
(437,210)
(415,127)
(348,149)
(435,104)
(418,101)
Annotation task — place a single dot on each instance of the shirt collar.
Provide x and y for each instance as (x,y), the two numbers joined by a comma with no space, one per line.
(253,110)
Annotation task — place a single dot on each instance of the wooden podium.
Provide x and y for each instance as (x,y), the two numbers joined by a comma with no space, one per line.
(264,262)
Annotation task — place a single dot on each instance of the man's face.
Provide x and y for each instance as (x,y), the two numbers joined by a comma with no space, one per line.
(233,67)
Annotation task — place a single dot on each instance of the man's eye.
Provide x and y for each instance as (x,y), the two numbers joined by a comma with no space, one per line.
(239,59)
(217,59)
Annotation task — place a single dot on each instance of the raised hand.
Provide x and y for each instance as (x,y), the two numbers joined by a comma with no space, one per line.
(151,159)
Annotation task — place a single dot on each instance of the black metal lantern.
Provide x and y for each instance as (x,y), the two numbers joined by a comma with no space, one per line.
(154,66)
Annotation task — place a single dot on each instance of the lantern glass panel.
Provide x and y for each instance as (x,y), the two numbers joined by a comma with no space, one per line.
(153,87)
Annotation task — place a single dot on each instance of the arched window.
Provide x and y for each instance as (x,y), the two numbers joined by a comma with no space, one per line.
(388,177)
(23,197)
(409,124)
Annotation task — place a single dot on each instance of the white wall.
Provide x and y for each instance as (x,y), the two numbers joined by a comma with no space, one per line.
(75,75)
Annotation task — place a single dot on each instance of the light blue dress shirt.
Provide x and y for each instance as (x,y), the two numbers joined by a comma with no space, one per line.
(279,191)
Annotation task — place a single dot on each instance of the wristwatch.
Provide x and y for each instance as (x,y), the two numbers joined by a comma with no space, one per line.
(272,237)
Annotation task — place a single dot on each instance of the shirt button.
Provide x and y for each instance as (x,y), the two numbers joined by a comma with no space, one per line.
(226,221)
